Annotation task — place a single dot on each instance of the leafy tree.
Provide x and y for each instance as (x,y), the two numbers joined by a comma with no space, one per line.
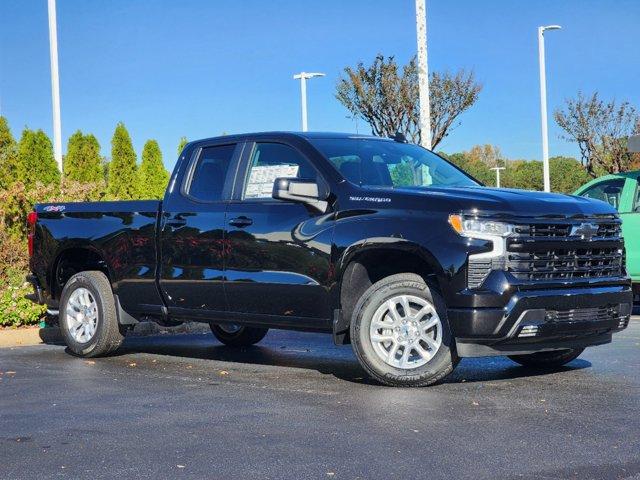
(601,130)
(523,174)
(473,166)
(8,155)
(105,168)
(490,155)
(567,174)
(152,176)
(35,161)
(82,162)
(386,96)
(121,183)
(181,144)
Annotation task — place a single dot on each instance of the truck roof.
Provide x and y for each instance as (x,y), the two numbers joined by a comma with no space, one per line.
(284,134)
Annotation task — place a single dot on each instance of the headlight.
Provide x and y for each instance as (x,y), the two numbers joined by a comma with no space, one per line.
(476,228)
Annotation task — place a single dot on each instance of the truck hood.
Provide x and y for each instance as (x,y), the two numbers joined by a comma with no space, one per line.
(512,202)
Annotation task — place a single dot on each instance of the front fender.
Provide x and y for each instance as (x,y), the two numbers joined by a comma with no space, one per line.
(426,237)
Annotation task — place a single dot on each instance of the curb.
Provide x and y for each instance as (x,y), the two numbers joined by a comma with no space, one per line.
(20,337)
(23,337)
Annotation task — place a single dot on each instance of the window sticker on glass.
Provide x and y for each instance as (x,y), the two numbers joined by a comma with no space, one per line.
(261,178)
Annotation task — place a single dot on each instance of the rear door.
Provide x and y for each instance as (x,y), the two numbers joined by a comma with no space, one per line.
(278,262)
(192,238)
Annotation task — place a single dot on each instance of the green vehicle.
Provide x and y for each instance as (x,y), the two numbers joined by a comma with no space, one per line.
(622,191)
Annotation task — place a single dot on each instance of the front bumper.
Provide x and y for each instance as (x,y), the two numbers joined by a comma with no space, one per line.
(543,320)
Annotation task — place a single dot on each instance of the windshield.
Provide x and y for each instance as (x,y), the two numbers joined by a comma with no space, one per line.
(381,163)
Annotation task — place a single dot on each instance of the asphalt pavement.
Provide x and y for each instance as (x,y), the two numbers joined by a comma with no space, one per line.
(297,407)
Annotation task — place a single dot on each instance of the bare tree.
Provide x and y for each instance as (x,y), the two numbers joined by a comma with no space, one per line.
(386,96)
(601,130)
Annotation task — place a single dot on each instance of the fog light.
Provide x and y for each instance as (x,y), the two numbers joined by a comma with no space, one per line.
(624,321)
(528,331)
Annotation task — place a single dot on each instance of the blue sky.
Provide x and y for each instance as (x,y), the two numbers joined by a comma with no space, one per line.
(201,68)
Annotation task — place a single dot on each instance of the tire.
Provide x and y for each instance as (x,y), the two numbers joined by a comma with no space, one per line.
(106,336)
(547,359)
(234,335)
(372,311)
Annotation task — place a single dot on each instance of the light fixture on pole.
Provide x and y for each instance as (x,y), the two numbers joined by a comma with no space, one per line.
(303,76)
(497,169)
(55,84)
(543,105)
(423,74)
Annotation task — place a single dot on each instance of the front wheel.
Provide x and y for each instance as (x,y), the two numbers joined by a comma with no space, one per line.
(234,335)
(547,359)
(400,333)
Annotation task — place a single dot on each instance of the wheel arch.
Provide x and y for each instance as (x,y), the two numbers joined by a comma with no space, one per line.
(73,259)
(365,263)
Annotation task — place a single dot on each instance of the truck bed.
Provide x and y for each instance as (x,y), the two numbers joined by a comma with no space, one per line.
(123,234)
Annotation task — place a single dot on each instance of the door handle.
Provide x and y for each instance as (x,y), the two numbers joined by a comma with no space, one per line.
(241,221)
(176,222)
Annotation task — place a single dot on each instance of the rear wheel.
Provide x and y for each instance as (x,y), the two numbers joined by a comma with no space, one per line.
(88,319)
(234,335)
(547,359)
(400,333)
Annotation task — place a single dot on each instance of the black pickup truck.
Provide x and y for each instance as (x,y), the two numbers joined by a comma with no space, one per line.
(384,244)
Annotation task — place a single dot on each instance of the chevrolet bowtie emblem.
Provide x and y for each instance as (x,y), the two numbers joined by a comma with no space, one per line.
(586,231)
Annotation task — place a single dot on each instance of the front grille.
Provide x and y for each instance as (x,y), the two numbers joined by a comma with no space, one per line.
(559,250)
(610,229)
(565,263)
(595,314)
(578,321)
(564,250)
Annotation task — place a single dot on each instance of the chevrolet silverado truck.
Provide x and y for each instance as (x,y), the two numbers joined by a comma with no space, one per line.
(381,243)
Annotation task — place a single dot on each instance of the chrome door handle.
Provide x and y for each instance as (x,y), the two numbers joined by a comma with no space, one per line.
(240,222)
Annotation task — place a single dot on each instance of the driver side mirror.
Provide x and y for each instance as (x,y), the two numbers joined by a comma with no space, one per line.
(301,190)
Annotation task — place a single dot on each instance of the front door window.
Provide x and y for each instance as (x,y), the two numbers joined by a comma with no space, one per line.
(608,191)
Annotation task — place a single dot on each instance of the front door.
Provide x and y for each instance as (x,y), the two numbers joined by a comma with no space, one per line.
(278,262)
(622,193)
(192,240)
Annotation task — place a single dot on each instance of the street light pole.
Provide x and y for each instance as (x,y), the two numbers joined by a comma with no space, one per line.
(55,84)
(303,76)
(423,74)
(543,105)
(497,169)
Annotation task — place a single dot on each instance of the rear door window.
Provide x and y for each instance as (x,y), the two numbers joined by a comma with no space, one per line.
(210,173)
